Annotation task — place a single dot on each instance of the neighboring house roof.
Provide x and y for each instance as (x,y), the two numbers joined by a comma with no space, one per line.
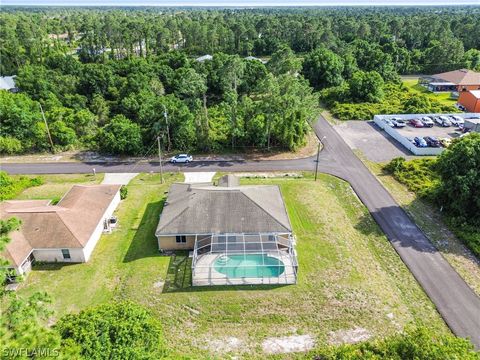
(207,209)
(7,82)
(475,93)
(204,57)
(69,224)
(460,77)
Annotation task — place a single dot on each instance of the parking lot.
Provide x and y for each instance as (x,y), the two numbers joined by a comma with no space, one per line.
(422,134)
(437,131)
(375,144)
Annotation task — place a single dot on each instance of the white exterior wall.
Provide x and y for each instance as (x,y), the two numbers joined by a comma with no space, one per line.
(55,255)
(92,242)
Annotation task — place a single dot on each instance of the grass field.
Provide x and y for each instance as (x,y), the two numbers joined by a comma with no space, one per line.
(55,186)
(444,97)
(349,276)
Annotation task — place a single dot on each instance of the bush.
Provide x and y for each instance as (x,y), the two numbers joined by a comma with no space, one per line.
(418,175)
(10,187)
(10,145)
(114,331)
(416,343)
(123,192)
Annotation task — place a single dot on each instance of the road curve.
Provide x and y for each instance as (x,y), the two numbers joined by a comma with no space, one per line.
(456,302)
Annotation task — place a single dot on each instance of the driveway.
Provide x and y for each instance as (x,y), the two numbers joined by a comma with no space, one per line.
(199,177)
(118,178)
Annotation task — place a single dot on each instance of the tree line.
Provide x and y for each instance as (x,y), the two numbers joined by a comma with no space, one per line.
(115,80)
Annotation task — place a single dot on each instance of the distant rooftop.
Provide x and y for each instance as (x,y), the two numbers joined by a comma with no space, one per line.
(7,82)
(460,77)
(204,58)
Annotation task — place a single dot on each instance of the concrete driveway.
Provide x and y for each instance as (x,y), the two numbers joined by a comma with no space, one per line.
(199,177)
(118,178)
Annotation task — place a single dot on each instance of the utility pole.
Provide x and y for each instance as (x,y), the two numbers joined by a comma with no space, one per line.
(318,155)
(48,130)
(160,159)
(165,114)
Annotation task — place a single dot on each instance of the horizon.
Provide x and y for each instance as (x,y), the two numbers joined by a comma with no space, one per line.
(237,4)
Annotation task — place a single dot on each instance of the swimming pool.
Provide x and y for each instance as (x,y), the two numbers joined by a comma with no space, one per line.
(249,266)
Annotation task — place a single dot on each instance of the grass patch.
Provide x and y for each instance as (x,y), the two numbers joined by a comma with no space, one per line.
(12,186)
(444,98)
(55,186)
(349,275)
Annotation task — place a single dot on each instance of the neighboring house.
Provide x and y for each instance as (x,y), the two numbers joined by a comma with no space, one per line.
(236,234)
(8,83)
(456,81)
(66,232)
(204,58)
(470,100)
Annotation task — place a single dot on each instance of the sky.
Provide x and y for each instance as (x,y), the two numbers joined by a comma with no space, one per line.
(237,3)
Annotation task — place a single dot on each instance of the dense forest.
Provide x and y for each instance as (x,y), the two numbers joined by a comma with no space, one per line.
(114,80)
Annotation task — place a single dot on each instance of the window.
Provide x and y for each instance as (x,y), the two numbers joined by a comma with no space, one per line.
(66,254)
(180,239)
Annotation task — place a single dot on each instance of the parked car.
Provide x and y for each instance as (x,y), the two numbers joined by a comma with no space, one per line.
(456,120)
(443,121)
(399,123)
(420,142)
(182,158)
(445,142)
(416,123)
(388,122)
(432,141)
(427,121)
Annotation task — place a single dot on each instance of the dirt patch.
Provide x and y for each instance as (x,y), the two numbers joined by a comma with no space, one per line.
(350,336)
(288,344)
(224,345)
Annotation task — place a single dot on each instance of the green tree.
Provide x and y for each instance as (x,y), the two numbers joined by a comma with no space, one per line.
(323,68)
(366,86)
(120,136)
(114,331)
(458,167)
(284,61)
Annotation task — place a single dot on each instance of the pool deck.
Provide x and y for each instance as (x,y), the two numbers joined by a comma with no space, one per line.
(206,275)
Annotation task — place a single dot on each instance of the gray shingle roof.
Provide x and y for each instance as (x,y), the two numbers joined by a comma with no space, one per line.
(206,209)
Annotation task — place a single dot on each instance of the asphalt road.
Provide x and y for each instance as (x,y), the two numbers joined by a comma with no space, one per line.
(455,300)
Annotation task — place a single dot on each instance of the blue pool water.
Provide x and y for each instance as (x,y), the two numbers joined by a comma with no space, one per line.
(249,266)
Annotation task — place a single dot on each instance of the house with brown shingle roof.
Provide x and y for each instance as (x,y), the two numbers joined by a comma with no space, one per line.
(457,80)
(237,234)
(65,232)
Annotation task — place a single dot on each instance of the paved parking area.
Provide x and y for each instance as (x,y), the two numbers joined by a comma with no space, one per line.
(437,131)
(373,142)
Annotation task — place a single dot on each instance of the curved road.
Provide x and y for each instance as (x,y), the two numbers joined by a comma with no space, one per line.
(455,300)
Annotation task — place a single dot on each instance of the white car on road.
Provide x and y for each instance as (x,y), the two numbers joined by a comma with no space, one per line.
(182,158)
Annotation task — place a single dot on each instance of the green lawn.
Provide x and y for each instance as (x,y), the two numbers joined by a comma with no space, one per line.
(55,186)
(444,97)
(349,276)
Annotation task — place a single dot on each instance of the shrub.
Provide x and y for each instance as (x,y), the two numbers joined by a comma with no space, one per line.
(114,331)
(416,343)
(123,192)
(10,187)
(10,145)
(418,175)
(120,136)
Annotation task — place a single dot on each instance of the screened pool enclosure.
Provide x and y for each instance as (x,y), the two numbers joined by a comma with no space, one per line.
(244,259)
